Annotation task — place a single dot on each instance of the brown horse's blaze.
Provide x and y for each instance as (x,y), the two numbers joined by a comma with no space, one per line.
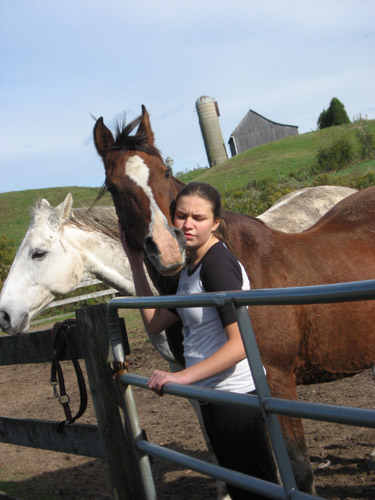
(165,246)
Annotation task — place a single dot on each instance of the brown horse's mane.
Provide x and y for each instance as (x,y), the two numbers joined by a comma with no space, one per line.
(178,183)
(126,141)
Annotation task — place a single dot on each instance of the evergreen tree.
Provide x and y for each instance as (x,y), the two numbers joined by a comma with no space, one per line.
(334,115)
(322,120)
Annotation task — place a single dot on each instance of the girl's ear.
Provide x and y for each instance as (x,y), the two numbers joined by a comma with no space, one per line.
(216,225)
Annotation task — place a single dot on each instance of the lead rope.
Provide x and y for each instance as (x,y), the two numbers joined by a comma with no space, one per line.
(60,341)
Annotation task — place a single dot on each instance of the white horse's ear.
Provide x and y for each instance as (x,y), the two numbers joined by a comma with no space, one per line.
(43,202)
(64,209)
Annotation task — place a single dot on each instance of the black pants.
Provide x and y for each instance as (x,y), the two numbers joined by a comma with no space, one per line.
(239,440)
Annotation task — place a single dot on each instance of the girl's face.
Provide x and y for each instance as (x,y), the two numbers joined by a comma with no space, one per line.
(195,218)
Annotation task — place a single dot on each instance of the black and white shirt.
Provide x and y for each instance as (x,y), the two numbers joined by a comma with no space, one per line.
(203,328)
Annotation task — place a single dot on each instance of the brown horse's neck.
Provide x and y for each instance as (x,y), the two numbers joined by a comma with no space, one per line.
(177,185)
(165,285)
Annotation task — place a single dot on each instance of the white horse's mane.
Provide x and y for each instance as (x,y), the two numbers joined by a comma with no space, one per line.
(102,219)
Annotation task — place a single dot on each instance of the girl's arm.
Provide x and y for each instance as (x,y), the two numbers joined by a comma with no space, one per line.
(231,353)
(155,320)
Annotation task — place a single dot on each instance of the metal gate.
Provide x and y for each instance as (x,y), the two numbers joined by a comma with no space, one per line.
(271,407)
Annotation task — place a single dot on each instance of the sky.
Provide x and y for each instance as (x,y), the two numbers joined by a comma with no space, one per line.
(64,62)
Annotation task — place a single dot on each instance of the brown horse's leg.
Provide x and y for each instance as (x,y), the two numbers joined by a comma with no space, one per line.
(282,385)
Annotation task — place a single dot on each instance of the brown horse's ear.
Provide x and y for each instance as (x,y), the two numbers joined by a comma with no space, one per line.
(103,138)
(145,126)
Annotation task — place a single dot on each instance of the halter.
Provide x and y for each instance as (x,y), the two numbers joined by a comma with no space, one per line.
(60,341)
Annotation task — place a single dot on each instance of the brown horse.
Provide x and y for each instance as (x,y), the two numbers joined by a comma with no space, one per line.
(298,344)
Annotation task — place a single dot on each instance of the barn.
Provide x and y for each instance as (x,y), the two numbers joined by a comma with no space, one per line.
(255,130)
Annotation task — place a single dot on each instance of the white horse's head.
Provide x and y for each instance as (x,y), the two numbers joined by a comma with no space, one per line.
(42,268)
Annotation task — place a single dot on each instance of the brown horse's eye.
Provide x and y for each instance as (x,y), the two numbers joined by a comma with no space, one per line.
(167,173)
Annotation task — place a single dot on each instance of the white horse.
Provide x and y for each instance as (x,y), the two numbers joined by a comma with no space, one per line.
(64,246)
(298,210)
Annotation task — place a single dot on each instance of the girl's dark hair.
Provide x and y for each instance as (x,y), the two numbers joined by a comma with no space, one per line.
(211,194)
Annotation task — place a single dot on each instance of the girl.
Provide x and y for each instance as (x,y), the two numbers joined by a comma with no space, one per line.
(213,349)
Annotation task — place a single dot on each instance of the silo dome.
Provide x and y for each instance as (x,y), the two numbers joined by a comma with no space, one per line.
(208,114)
(203,100)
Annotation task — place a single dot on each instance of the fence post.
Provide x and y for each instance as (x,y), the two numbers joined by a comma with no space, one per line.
(114,428)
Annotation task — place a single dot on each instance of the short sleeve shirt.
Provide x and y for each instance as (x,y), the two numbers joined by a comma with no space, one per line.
(203,328)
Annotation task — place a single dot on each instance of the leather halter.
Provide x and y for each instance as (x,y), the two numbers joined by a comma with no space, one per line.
(60,341)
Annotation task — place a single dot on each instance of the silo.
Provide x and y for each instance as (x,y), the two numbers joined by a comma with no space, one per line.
(208,114)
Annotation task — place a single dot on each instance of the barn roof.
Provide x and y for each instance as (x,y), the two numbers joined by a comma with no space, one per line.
(255,130)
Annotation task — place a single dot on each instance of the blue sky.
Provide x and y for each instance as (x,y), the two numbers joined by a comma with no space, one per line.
(62,61)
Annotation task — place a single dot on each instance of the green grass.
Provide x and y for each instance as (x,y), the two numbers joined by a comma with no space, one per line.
(132,318)
(277,160)
(291,157)
(13,484)
(15,207)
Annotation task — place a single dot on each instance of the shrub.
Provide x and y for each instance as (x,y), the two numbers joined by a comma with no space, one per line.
(367,142)
(322,180)
(339,154)
(365,180)
(249,202)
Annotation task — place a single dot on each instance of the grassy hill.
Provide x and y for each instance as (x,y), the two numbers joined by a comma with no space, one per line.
(292,156)
(15,207)
(271,170)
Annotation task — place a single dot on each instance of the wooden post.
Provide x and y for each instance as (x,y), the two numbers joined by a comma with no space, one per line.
(114,427)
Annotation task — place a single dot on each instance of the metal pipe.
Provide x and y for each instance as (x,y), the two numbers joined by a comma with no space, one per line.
(360,417)
(317,294)
(238,479)
(115,336)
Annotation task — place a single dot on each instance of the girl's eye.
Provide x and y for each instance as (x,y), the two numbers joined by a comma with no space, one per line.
(38,254)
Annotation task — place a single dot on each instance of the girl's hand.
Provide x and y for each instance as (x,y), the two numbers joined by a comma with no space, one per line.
(159,378)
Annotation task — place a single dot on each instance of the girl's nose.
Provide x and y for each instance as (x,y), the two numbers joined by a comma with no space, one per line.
(187,222)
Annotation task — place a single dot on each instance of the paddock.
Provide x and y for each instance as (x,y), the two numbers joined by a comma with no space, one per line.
(169,423)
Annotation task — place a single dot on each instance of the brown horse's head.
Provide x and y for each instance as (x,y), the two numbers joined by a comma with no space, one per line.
(142,189)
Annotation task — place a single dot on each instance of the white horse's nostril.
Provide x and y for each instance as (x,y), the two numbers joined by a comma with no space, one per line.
(4,320)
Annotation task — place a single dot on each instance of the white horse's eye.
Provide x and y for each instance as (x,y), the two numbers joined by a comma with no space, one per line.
(38,254)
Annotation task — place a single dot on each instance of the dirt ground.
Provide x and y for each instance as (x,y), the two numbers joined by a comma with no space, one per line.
(339,453)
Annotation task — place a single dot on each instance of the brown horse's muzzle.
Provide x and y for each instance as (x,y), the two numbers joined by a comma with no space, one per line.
(166,250)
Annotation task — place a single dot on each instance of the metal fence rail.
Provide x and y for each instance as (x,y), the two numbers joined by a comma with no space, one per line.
(271,407)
